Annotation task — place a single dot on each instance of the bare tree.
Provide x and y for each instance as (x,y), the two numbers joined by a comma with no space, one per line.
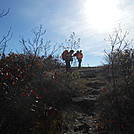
(37,45)
(118,41)
(5,38)
(33,46)
(72,43)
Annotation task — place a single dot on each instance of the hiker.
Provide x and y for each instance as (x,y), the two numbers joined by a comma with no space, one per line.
(79,56)
(68,58)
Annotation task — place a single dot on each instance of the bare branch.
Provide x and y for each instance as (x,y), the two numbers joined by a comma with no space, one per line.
(23,43)
(46,48)
(4,40)
(5,36)
(3,13)
(55,49)
(35,44)
(72,43)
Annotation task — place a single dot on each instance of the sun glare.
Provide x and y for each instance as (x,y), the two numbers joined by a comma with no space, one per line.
(101,14)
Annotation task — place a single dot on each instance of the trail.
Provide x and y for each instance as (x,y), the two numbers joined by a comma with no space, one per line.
(79,115)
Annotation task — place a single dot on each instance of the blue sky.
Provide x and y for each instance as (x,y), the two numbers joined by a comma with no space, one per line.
(91,20)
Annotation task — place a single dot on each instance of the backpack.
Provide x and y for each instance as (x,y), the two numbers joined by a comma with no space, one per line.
(79,56)
(63,56)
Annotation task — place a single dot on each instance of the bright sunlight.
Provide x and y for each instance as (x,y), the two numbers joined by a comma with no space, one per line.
(101,14)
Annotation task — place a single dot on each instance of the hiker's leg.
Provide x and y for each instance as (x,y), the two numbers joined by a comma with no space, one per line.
(67,65)
(79,63)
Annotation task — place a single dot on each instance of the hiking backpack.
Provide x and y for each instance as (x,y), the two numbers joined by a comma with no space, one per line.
(79,55)
(63,56)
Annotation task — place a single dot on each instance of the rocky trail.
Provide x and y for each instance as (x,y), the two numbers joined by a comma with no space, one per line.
(79,116)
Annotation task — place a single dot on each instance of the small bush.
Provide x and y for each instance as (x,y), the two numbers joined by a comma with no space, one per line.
(116,110)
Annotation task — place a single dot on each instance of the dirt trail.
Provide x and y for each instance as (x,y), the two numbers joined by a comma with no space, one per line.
(79,115)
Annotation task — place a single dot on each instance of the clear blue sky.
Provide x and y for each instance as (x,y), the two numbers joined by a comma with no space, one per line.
(91,20)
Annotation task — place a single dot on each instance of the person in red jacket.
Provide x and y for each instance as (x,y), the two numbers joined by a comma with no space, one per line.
(79,56)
